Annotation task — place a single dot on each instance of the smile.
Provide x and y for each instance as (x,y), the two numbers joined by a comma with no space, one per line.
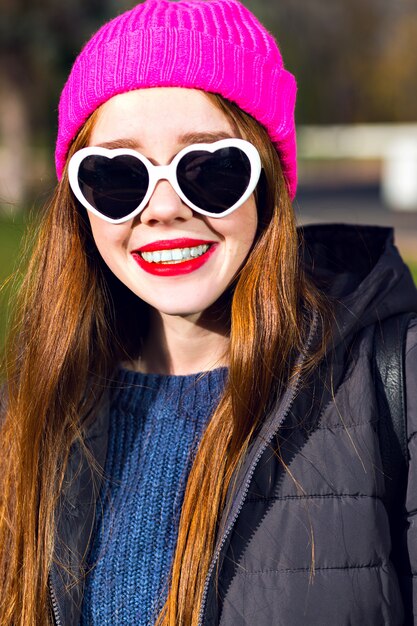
(174,257)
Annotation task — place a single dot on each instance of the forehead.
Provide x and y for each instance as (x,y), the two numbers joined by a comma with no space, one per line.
(150,117)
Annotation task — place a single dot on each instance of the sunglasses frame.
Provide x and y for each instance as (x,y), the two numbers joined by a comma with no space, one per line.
(165,172)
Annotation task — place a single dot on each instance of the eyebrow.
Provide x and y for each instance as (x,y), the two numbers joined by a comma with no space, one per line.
(119,143)
(185,139)
(204,137)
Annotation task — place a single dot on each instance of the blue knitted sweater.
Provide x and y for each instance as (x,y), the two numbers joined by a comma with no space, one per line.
(156,423)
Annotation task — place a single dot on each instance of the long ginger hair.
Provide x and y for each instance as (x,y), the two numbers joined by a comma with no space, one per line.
(75,321)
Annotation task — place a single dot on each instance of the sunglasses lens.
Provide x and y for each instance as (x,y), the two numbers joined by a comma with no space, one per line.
(214,181)
(114,187)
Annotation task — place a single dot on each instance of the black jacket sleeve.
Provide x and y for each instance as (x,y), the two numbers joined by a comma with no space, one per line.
(409,578)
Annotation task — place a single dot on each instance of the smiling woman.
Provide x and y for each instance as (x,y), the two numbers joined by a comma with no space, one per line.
(146,251)
(190,420)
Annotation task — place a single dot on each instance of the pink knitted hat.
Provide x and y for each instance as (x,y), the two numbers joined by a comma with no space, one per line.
(214,45)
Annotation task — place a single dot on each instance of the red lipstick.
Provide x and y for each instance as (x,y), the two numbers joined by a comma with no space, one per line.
(174,269)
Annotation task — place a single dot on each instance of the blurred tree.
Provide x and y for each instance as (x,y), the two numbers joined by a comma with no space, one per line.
(394,85)
(355,60)
(39,40)
(38,43)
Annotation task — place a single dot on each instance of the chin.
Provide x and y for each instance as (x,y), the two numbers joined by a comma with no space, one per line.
(180,308)
(177,311)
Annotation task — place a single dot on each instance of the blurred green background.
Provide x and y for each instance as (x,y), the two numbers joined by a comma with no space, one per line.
(355,63)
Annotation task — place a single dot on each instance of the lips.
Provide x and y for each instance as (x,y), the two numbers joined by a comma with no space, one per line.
(174,257)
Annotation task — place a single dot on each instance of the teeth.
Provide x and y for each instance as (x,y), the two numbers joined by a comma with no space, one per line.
(176,255)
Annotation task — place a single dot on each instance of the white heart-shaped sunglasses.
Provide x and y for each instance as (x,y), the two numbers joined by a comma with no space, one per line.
(213,179)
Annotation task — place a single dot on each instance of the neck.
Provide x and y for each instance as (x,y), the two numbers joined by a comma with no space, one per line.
(183,345)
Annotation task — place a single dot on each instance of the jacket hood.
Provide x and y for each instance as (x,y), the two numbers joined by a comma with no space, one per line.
(361,271)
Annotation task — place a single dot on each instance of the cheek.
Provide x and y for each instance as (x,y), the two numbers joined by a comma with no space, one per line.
(109,238)
(239,229)
(248,227)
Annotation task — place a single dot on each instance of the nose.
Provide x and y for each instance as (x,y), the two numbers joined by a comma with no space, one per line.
(165,206)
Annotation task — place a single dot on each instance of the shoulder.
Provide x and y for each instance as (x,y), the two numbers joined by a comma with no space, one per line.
(411,380)
(411,344)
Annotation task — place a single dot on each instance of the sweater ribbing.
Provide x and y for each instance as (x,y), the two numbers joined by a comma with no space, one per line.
(156,424)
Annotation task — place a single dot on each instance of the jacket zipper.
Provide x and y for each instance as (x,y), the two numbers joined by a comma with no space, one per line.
(55,611)
(251,473)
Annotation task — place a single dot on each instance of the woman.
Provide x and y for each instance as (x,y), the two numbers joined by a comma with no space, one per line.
(190,429)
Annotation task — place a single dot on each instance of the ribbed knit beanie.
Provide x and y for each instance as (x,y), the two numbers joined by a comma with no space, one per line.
(214,45)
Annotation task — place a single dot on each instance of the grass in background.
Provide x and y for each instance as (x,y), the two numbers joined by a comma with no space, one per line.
(413,267)
(11,231)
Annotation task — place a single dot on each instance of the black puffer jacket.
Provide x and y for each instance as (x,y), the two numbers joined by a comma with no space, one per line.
(309,543)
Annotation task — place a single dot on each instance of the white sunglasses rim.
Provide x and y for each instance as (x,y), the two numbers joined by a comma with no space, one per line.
(165,172)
